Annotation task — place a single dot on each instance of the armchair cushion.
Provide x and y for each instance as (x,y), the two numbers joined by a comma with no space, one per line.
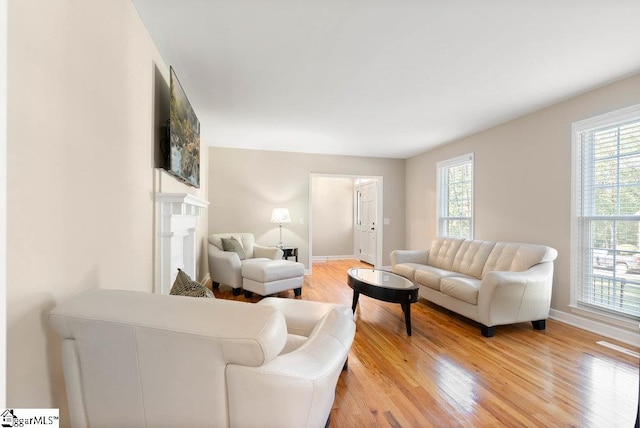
(232,244)
(246,239)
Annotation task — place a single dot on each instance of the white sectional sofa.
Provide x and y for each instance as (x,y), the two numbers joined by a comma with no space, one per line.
(493,283)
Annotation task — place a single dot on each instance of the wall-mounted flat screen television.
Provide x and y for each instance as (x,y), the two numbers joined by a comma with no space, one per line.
(182,156)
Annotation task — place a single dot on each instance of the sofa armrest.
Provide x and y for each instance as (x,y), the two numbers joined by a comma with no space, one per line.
(508,297)
(267,252)
(305,379)
(225,267)
(409,256)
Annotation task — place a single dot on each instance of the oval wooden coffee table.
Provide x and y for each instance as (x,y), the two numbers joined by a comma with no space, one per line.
(385,286)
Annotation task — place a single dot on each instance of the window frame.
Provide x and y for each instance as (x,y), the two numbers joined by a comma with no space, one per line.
(442,197)
(580,246)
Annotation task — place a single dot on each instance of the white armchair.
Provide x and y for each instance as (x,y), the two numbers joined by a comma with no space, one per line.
(138,359)
(225,267)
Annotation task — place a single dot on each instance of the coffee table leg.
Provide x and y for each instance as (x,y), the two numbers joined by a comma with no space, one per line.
(356,294)
(406,308)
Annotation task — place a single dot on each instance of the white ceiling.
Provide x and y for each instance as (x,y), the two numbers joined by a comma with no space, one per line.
(384,78)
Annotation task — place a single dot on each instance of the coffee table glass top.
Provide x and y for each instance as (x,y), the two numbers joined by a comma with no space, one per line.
(381,278)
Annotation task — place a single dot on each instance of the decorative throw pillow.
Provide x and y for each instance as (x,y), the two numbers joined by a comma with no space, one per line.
(232,244)
(185,286)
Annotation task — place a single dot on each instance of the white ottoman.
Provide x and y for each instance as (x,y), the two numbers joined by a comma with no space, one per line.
(272,276)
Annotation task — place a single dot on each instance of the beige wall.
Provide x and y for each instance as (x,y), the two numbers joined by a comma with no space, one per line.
(522,178)
(3,203)
(245,185)
(82,88)
(332,216)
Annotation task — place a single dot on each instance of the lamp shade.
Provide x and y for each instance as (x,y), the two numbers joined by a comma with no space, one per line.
(280,215)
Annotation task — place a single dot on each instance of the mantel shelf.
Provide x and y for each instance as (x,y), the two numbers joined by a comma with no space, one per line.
(180,204)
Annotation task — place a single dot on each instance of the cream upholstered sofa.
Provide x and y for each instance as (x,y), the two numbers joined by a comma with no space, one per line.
(493,283)
(141,359)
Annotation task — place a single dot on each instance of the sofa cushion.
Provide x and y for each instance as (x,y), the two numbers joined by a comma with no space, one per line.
(408,270)
(516,257)
(294,341)
(232,244)
(443,252)
(430,276)
(462,288)
(471,257)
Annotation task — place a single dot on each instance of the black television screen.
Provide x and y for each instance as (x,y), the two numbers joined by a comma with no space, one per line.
(182,159)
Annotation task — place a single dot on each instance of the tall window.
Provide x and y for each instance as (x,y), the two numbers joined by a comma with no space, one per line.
(455,197)
(606,220)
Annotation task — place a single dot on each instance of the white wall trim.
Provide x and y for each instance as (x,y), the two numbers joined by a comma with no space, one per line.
(625,336)
(323,258)
(206,279)
(3,202)
(177,221)
(448,163)
(578,240)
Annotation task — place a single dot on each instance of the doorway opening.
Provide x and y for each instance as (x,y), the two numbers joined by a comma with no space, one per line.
(345,218)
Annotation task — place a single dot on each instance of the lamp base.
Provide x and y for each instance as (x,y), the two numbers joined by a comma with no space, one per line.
(280,245)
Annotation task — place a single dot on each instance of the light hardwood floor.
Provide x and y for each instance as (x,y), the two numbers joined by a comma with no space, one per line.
(448,374)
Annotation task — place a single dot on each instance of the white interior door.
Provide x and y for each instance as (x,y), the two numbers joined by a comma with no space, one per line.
(366,215)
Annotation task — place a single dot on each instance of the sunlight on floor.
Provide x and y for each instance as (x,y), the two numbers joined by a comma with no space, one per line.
(457,383)
(613,390)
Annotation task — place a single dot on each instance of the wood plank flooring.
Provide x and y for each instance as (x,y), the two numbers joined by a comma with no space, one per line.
(448,374)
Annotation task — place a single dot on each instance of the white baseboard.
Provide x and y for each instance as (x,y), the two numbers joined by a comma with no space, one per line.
(206,279)
(324,258)
(625,336)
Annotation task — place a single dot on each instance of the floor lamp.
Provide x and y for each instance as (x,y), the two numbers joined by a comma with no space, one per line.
(280,215)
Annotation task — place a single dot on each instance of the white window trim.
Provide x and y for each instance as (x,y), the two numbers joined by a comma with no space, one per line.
(621,115)
(447,164)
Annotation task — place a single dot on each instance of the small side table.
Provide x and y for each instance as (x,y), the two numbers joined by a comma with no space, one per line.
(290,252)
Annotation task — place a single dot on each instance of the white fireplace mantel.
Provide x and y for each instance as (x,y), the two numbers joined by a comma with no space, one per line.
(177,220)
